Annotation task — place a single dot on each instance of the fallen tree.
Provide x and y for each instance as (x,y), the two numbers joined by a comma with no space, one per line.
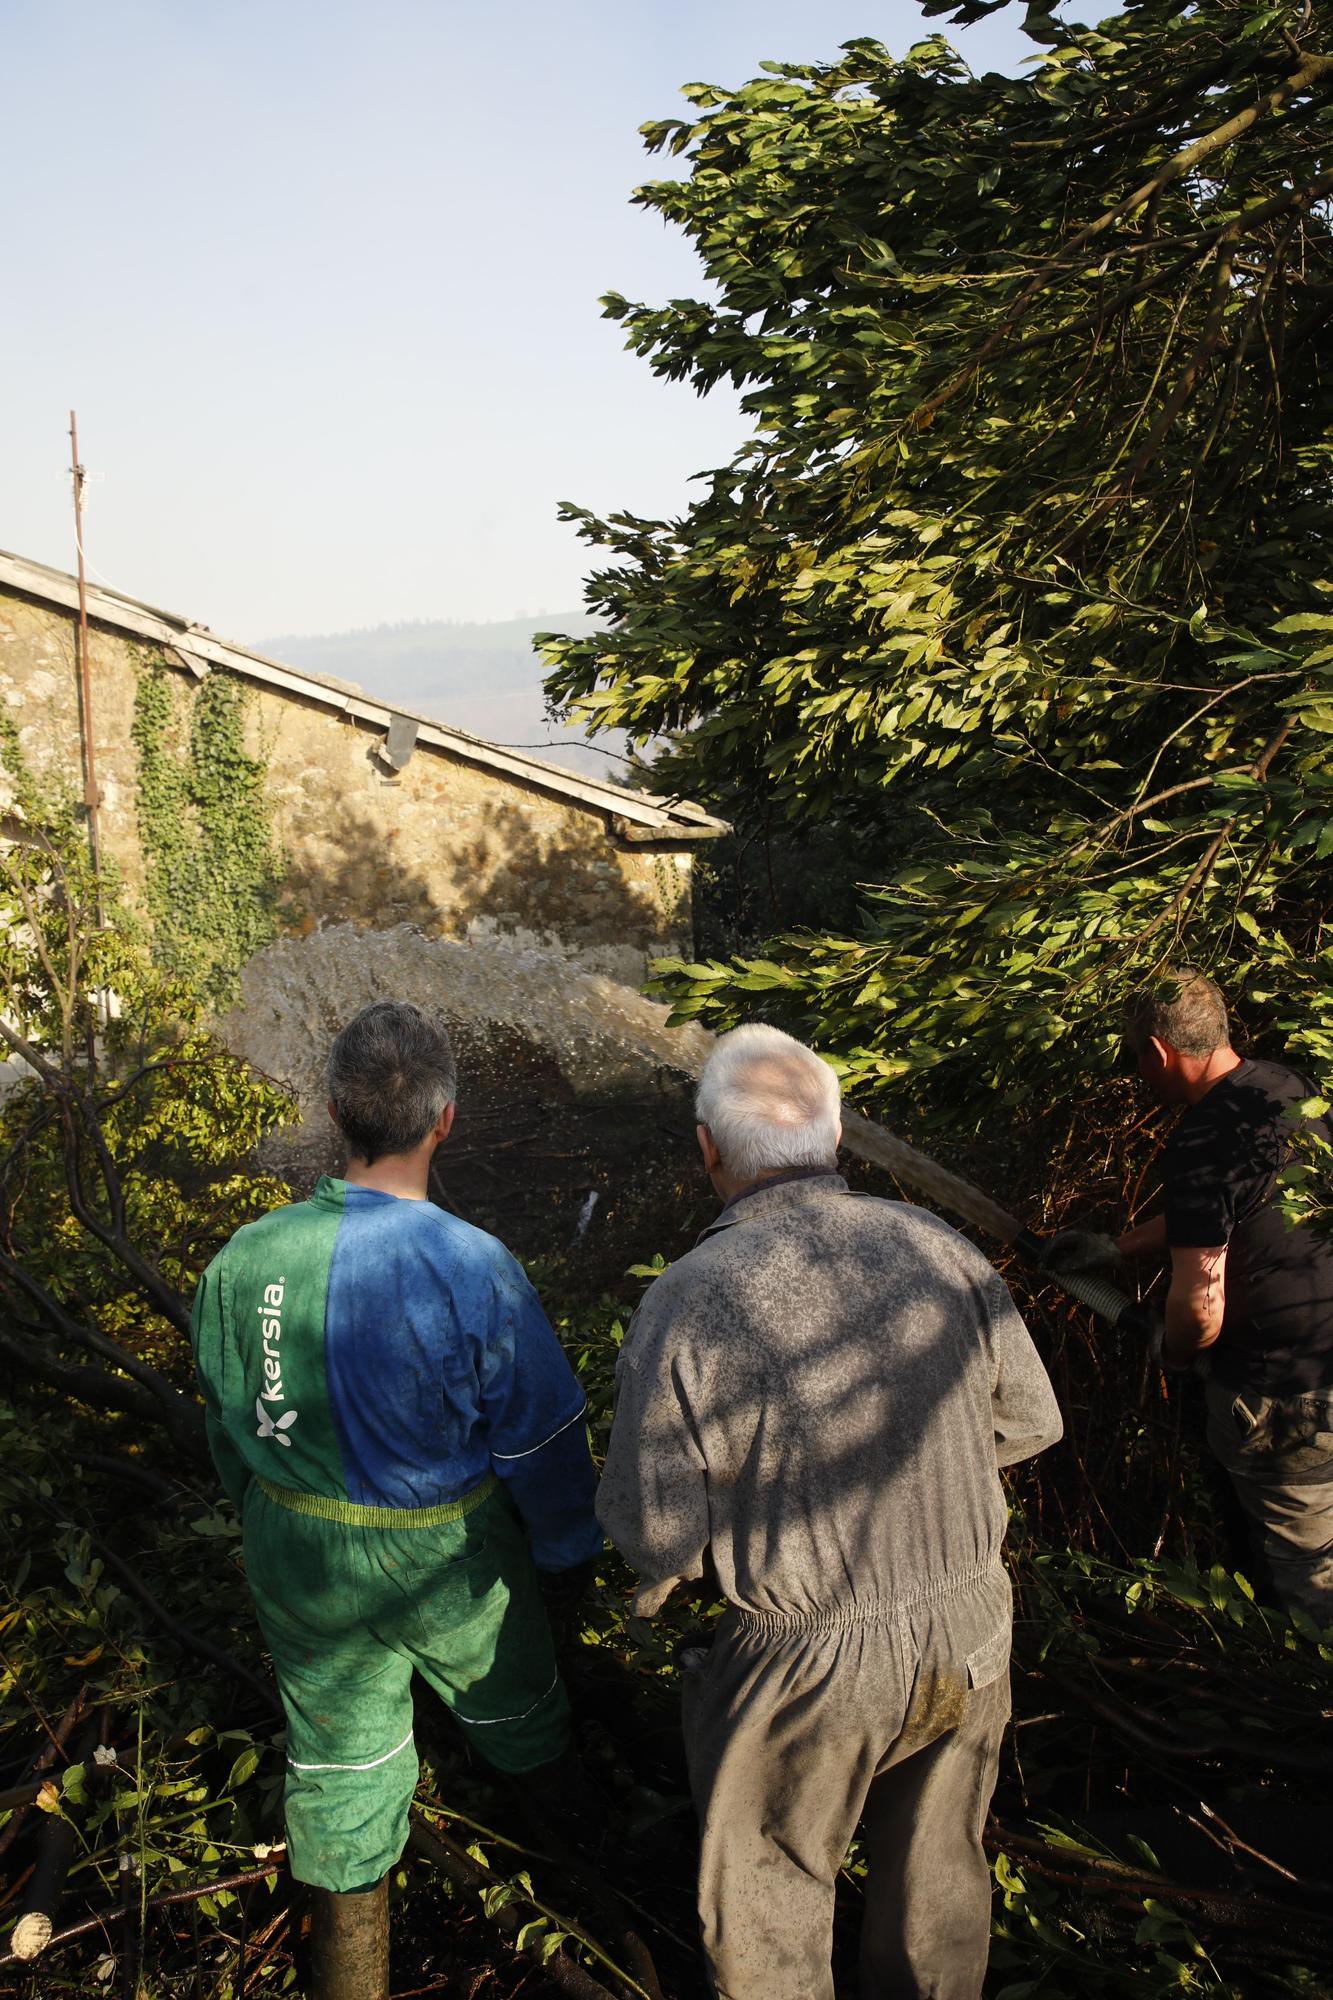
(1021,581)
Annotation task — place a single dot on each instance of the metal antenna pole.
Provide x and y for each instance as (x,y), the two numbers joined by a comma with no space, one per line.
(90,792)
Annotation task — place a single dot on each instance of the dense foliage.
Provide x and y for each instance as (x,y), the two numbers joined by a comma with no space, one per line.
(125,1138)
(1024,572)
(1154,1833)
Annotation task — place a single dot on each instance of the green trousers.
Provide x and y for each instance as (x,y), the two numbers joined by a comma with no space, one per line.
(350,1608)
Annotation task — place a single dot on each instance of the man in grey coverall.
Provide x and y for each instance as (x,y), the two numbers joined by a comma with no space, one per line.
(815,1402)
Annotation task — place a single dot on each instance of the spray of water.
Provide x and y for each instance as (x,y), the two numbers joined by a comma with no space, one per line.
(601,1033)
(590,1202)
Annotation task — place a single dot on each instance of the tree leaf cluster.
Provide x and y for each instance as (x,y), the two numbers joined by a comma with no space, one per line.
(1024,565)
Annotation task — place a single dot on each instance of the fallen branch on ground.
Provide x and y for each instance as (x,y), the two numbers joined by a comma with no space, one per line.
(22,1796)
(117,1911)
(1103,1874)
(562,1971)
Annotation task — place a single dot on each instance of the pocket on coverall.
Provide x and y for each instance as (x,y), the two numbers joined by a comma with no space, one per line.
(988,1662)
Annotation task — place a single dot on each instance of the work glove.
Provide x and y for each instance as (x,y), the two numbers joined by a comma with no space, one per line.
(691,1650)
(1083,1253)
(1148,1325)
(563,1591)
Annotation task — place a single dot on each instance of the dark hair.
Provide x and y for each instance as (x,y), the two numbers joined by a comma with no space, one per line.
(1182,1007)
(390,1075)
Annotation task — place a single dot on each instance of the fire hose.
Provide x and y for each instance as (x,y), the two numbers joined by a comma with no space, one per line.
(871,1142)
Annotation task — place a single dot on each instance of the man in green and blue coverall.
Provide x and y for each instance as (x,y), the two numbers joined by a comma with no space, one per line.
(393,1416)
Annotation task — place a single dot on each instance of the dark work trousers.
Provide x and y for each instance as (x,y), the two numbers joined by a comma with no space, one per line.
(799,1728)
(1278,1454)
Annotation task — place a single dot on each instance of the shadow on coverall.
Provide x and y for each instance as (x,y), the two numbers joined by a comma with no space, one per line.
(816,1400)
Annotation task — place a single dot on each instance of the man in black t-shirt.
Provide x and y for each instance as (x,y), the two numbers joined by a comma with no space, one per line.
(1254,1292)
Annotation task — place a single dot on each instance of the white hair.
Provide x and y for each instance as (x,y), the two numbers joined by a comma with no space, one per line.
(769,1102)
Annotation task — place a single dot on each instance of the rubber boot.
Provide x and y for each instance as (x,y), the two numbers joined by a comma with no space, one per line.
(349,1943)
(565,1797)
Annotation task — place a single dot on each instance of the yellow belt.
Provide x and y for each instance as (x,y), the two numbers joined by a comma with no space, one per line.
(324,1508)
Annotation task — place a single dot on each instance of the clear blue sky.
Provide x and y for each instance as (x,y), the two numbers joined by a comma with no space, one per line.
(321,281)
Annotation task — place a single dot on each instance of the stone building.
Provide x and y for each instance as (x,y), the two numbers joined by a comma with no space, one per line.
(381,819)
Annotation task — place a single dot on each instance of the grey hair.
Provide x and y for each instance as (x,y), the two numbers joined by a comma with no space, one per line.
(769,1102)
(390,1075)
(1182,1007)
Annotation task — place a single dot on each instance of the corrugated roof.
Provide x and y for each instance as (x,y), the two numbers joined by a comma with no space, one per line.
(636,815)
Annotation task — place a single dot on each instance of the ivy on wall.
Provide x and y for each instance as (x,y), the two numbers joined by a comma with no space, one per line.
(212,869)
(673,885)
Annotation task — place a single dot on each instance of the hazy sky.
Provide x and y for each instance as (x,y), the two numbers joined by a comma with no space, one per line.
(321,281)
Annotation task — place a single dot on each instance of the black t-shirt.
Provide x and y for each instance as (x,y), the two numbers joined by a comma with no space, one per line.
(1220,1167)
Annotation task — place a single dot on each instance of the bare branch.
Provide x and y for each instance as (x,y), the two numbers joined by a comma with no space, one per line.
(1315,75)
(1203,867)
(30,1054)
(114,1238)
(97,1388)
(89,1337)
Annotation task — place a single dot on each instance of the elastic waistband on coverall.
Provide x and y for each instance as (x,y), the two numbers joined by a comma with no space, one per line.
(866,1611)
(323,1507)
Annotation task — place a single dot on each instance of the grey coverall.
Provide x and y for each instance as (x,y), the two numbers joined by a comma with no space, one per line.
(819,1397)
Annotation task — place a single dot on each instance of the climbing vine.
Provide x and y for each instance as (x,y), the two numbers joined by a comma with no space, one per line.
(672,884)
(212,869)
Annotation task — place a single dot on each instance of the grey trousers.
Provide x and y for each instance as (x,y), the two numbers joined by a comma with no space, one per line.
(1278,1453)
(798,1730)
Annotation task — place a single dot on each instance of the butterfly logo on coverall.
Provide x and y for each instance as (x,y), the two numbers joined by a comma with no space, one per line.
(267,1427)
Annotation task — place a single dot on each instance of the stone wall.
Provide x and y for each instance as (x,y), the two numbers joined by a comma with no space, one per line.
(444,846)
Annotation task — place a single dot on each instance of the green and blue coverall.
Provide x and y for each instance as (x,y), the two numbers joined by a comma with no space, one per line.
(389,1409)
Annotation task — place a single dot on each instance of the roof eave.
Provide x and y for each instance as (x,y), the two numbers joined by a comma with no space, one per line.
(659,820)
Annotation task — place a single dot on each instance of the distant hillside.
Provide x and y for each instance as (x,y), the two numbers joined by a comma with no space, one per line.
(482,678)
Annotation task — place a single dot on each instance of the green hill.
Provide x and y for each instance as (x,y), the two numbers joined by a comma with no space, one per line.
(483,678)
